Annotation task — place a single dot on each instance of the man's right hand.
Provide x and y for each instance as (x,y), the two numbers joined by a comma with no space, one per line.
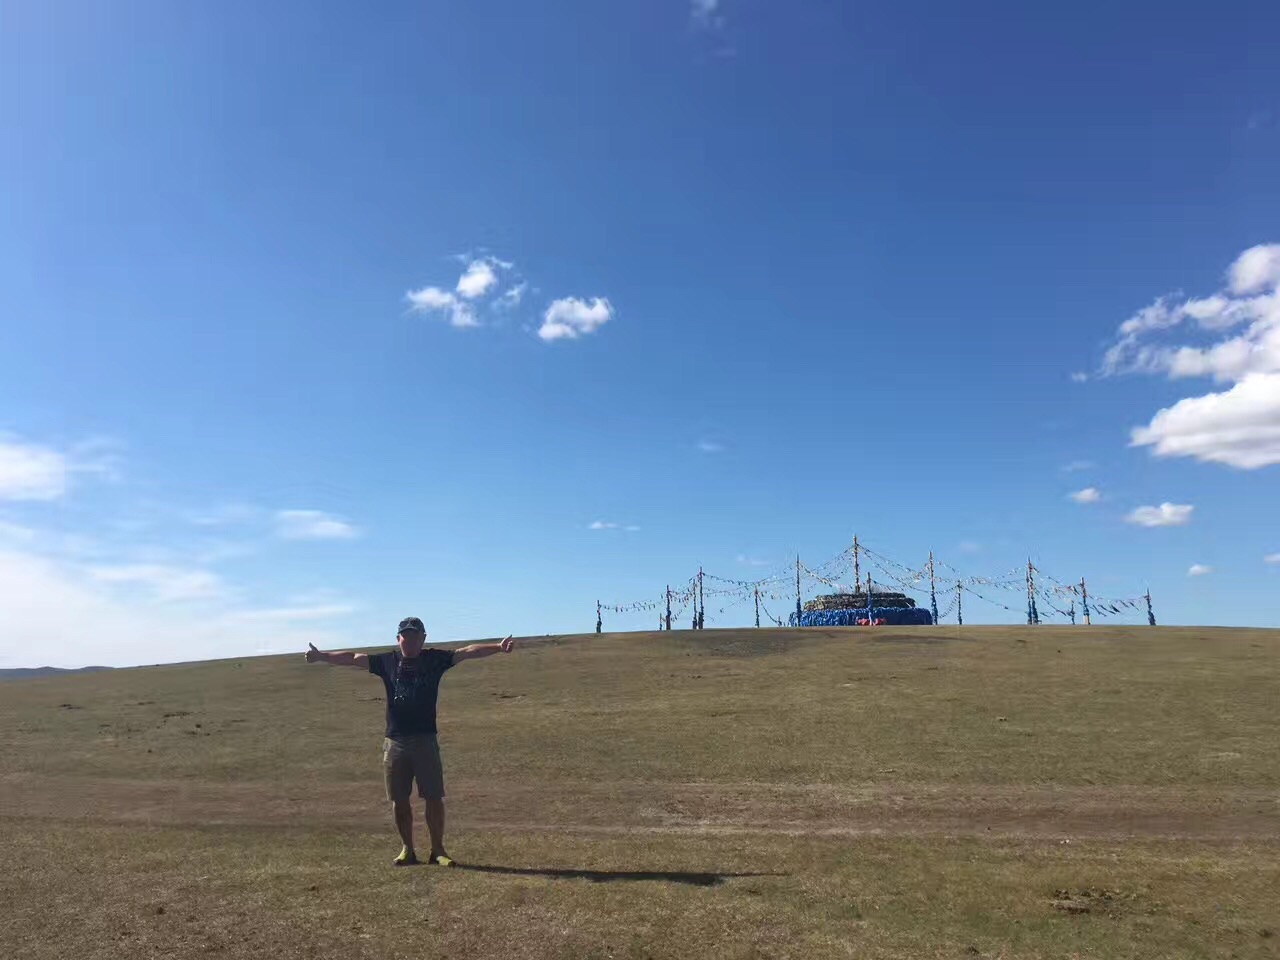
(314,655)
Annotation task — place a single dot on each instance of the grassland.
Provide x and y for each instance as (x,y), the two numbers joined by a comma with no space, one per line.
(927,792)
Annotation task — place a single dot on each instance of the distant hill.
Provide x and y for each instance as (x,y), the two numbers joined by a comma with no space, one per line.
(25,673)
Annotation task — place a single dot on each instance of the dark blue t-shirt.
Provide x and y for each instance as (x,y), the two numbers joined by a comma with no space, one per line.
(412,686)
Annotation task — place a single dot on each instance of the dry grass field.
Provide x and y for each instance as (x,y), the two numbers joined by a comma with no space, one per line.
(897,793)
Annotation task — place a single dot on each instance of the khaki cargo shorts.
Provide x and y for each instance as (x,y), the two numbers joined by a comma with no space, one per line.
(407,759)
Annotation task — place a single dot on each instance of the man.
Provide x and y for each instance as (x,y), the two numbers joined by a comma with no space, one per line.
(411,677)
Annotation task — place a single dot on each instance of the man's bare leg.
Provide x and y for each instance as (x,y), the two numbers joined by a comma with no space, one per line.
(403,812)
(435,827)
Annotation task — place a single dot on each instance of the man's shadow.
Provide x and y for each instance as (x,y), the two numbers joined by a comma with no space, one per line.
(615,876)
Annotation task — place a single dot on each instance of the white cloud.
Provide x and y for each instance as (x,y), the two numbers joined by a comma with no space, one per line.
(1255,269)
(710,446)
(430,298)
(969,546)
(166,584)
(1079,377)
(1165,515)
(1077,465)
(1198,570)
(1239,427)
(435,300)
(29,471)
(477,280)
(1087,495)
(1271,558)
(570,317)
(1235,337)
(751,561)
(312,525)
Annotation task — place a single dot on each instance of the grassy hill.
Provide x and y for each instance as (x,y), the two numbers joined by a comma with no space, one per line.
(975,791)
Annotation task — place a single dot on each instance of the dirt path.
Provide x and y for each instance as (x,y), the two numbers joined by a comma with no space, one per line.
(637,808)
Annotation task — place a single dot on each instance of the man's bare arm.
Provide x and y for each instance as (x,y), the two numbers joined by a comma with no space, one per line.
(338,658)
(475,651)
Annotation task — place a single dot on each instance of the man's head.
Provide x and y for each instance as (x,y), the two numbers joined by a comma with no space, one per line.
(410,636)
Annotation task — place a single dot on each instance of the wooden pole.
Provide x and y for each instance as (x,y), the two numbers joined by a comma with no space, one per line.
(959,612)
(1151,617)
(599,619)
(1084,596)
(668,606)
(757,608)
(857,574)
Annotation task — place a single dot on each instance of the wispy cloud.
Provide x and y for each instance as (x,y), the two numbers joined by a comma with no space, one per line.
(570,318)
(1075,466)
(165,583)
(969,546)
(710,446)
(1198,570)
(143,600)
(29,471)
(1165,515)
(17,533)
(749,561)
(133,616)
(225,514)
(40,472)
(511,297)
(706,14)
(220,551)
(1231,337)
(312,525)
(101,457)
(610,525)
(323,611)
(1079,377)
(1087,495)
(1271,558)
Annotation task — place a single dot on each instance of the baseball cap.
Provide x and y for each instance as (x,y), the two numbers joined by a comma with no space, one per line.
(411,623)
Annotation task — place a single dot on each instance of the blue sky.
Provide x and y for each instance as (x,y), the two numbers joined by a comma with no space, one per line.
(313,317)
